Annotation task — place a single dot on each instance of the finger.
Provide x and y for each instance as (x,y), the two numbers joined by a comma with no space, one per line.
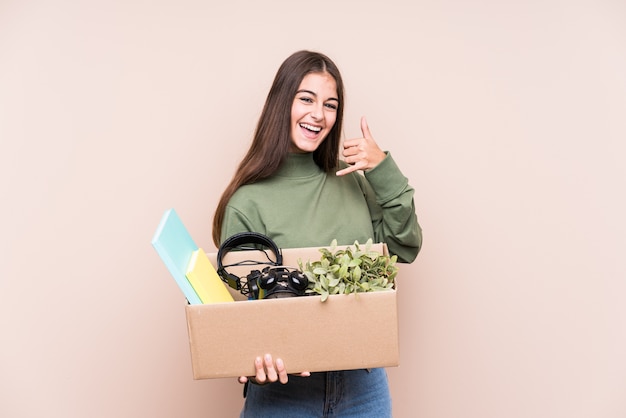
(351,143)
(272,376)
(354,150)
(242,379)
(365,129)
(282,372)
(350,156)
(260,376)
(347,170)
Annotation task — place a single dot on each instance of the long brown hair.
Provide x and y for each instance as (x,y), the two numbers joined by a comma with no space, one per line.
(272,137)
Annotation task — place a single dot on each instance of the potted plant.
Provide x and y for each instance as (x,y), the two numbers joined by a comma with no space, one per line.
(349,270)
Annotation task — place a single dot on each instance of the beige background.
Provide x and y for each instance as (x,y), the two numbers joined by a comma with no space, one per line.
(508,117)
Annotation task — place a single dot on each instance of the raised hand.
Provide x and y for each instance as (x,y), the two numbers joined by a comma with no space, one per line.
(361,153)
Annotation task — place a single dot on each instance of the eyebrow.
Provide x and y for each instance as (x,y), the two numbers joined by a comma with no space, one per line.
(315,94)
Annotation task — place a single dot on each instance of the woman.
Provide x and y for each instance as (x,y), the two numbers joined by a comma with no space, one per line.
(292,187)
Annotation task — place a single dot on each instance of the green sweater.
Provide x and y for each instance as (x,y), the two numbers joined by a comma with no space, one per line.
(301,206)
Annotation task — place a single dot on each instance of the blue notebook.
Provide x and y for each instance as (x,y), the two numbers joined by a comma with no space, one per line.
(175,247)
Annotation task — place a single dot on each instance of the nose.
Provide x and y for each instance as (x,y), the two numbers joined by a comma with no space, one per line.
(317,112)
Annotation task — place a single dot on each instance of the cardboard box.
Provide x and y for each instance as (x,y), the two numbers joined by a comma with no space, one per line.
(345,332)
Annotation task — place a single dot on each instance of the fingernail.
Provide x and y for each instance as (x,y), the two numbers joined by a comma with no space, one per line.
(268,357)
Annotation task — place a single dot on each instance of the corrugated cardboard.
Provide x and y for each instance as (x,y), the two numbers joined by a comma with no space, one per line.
(345,332)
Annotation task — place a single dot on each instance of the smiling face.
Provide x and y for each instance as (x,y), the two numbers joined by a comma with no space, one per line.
(313,112)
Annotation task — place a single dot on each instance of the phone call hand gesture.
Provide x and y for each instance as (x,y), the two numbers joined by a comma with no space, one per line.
(361,153)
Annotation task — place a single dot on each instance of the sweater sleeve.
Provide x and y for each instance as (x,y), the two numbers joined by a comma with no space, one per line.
(390,200)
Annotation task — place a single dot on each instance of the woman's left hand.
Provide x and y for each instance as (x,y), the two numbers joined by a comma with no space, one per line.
(361,153)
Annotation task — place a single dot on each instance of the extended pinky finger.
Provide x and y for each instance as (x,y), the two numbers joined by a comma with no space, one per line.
(346,170)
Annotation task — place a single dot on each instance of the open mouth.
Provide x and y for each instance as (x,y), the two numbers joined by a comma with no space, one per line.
(310,128)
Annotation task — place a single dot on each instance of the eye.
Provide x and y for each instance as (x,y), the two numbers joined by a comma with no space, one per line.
(331,106)
(306,99)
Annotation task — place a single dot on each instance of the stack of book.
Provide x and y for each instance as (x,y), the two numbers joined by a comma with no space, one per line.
(188,264)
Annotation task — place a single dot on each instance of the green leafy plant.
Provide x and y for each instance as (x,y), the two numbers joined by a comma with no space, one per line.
(350,270)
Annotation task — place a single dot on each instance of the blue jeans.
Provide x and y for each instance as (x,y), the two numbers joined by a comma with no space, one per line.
(350,393)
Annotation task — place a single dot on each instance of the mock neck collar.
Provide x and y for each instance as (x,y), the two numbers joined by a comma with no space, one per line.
(298,165)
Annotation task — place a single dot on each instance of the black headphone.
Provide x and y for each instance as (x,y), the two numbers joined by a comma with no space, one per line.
(281,282)
(271,280)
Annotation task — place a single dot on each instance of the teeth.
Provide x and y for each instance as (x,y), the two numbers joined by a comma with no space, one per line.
(311,127)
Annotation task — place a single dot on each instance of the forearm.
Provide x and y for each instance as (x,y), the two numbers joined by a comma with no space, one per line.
(393,214)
